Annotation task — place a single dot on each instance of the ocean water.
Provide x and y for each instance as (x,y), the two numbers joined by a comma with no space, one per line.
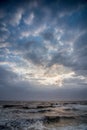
(53,115)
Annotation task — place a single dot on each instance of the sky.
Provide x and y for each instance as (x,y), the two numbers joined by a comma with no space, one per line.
(43,49)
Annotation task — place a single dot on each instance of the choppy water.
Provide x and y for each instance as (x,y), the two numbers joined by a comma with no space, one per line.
(43,115)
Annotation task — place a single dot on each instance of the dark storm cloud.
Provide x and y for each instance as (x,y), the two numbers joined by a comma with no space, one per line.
(11,88)
(77,60)
(80,52)
(9,78)
(33,51)
(34,57)
(36,54)
(6,76)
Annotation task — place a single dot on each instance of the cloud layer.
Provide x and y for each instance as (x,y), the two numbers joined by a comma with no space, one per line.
(43,48)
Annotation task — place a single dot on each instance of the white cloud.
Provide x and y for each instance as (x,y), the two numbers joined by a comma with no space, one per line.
(39,30)
(4,44)
(25,34)
(15,20)
(35,32)
(29,20)
(4,34)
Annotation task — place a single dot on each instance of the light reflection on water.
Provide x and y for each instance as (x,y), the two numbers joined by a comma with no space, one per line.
(43,115)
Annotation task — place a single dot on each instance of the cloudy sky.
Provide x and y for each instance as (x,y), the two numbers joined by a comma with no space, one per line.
(43,49)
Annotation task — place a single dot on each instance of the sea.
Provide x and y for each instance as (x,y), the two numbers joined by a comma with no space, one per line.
(43,115)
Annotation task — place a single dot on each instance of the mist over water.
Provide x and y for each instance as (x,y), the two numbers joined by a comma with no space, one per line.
(52,115)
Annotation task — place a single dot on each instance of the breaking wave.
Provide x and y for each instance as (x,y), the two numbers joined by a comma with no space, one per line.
(43,116)
(40,126)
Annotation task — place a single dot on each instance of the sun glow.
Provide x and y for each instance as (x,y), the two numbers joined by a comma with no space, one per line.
(54,75)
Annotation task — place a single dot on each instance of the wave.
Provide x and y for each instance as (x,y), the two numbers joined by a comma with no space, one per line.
(40,126)
(43,116)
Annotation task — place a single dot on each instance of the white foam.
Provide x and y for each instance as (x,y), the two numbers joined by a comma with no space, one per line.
(39,126)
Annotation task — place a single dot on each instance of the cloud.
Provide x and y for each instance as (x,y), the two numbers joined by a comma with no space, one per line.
(80,52)
(43,45)
(15,20)
(35,53)
(4,34)
(11,87)
(4,44)
(48,36)
(80,81)
(29,20)
(37,31)
(7,76)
